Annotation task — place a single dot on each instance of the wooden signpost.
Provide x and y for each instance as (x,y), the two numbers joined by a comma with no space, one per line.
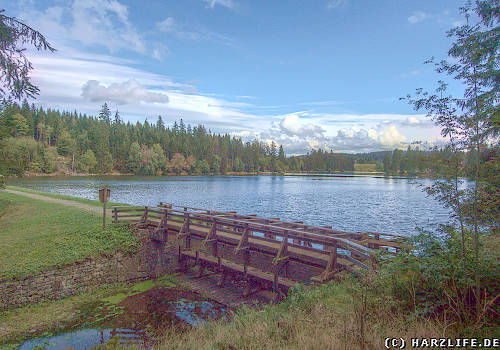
(104,194)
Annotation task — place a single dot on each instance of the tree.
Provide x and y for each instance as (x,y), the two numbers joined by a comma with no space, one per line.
(117,119)
(281,153)
(134,158)
(202,166)
(387,162)
(14,65)
(16,154)
(105,114)
(66,145)
(396,160)
(159,123)
(13,124)
(87,162)
(470,122)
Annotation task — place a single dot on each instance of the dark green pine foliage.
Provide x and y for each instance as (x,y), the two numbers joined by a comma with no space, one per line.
(104,144)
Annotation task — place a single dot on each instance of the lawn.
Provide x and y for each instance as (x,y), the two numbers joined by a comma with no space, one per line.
(37,235)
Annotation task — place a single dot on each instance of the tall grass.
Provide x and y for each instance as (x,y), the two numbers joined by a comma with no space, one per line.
(342,314)
(417,294)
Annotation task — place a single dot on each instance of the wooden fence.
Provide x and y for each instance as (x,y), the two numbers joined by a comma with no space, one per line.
(206,236)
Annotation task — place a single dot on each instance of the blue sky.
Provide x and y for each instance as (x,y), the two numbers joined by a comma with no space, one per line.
(305,74)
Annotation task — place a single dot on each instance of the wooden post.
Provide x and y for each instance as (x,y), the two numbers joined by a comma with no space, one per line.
(104,194)
(282,255)
(104,215)
(115,214)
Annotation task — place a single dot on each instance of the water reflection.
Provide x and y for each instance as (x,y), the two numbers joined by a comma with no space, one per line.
(79,340)
(143,318)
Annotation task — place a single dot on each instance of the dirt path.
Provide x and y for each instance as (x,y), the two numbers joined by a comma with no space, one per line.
(83,206)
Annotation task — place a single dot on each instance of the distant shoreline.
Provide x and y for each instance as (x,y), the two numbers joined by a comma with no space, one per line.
(231,173)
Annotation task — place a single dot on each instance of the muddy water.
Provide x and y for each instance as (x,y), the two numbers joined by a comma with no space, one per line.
(136,319)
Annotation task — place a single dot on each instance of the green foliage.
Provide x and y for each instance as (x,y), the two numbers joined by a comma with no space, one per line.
(49,159)
(65,144)
(438,278)
(14,65)
(13,123)
(202,166)
(470,123)
(87,162)
(17,155)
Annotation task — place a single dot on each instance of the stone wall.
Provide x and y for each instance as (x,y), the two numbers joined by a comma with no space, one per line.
(148,262)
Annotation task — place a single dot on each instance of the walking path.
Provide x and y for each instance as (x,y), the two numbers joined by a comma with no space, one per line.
(84,206)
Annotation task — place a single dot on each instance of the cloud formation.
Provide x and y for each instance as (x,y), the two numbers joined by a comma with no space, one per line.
(102,23)
(417,16)
(291,125)
(172,26)
(226,3)
(128,92)
(332,4)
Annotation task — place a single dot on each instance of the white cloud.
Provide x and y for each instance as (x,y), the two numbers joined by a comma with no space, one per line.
(391,137)
(362,140)
(159,51)
(180,30)
(226,3)
(293,126)
(332,4)
(169,25)
(300,132)
(412,121)
(128,92)
(445,17)
(417,16)
(103,23)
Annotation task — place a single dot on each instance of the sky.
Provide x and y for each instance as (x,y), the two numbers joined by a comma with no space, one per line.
(305,74)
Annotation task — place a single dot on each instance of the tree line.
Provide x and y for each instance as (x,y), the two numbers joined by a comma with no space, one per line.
(38,140)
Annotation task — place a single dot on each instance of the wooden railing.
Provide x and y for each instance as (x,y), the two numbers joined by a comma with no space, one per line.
(321,247)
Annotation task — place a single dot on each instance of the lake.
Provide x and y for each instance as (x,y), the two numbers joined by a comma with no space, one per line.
(345,202)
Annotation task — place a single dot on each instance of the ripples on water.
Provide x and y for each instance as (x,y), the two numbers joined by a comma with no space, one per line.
(361,203)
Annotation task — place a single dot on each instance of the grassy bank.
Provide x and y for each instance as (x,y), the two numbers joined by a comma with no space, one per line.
(340,315)
(62,196)
(337,315)
(79,311)
(38,235)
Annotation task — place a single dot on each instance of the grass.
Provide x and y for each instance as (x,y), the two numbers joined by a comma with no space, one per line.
(365,167)
(65,197)
(53,317)
(38,235)
(331,316)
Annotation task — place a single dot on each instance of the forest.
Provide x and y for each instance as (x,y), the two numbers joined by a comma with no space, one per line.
(34,140)
(46,141)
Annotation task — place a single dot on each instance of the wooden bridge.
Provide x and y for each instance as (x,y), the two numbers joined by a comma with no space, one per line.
(265,253)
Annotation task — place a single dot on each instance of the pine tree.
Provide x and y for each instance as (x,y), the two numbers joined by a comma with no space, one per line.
(117,119)
(159,123)
(105,114)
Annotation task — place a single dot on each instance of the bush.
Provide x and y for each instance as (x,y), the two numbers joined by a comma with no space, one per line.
(437,279)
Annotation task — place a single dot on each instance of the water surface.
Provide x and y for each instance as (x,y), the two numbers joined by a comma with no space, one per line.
(350,203)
